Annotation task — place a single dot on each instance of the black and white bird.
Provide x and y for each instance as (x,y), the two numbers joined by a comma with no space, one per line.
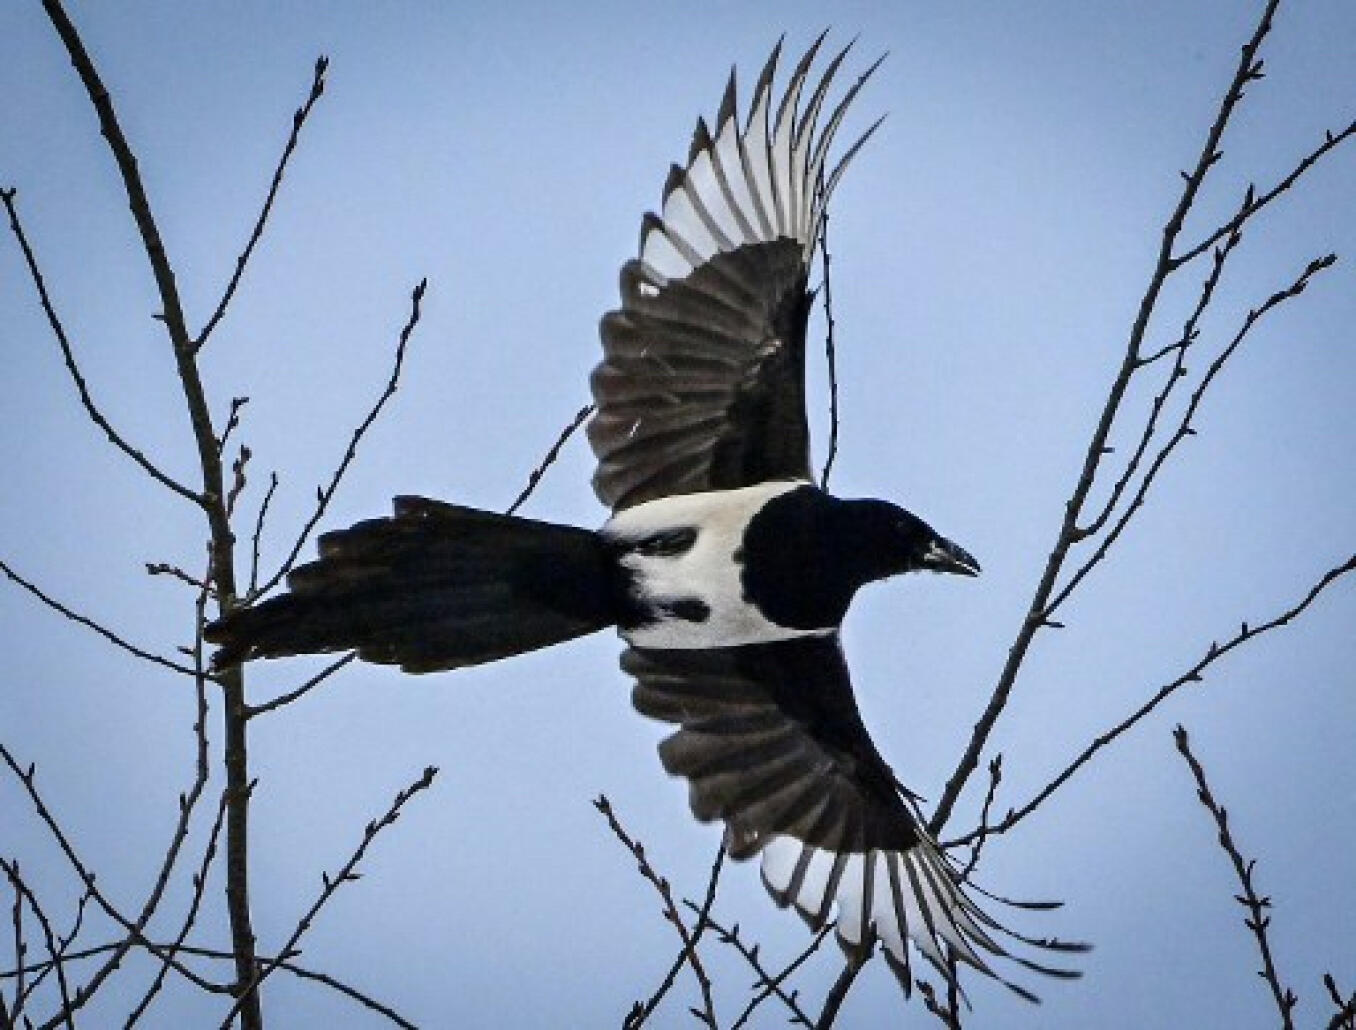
(724,568)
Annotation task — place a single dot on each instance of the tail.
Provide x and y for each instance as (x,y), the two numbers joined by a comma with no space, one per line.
(437,586)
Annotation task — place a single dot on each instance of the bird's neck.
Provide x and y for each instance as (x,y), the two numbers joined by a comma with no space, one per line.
(804,558)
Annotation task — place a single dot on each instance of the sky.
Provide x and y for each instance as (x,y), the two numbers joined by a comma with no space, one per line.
(990,247)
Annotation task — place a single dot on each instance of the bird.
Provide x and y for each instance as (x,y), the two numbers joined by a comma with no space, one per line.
(725,569)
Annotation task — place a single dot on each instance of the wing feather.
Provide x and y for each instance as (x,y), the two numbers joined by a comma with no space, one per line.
(720,285)
(770,741)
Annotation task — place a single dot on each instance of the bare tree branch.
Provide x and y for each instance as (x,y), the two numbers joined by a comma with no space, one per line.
(856,960)
(59,331)
(325,495)
(1252,203)
(1216,651)
(22,892)
(707,1013)
(88,623)
(347,873)
(322,63)
(222,571)
(1257,919)
(1345,1016)
(640,1012)
(535,477)
(830,351)
(190,917)
(304,689)
(1072,530)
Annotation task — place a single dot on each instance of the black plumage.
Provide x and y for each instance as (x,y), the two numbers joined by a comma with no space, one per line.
(723,567)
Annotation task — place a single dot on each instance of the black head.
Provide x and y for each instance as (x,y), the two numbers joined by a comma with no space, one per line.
(893,540)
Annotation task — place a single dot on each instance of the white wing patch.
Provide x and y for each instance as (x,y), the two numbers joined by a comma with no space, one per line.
(755,185)
(892,896)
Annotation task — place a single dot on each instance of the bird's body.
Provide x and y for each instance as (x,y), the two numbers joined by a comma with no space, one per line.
(754,565)
(723,567)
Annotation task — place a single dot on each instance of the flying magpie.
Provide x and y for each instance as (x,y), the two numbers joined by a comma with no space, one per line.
(724,568)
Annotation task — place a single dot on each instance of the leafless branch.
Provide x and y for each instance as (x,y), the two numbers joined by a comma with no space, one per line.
(995,777)
(1215,652)
(326,494)
(190,917)
(22,892)
(833,1001)
(68,355)
(640,1012)
(1257,919)
(259,532)
(212,499)
(298,120)
(707,1013)
(1184,429)
(1345,1016)
(1252,202)
(830,351)
(769,984)
(134,930)
(1072,529)
(535,477)
(88,623)
(347,873)
(305,688)
(300,972)
(1190,334)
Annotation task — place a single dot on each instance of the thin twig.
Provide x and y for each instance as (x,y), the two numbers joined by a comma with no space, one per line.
(253,591)
(535,477)
(943,1011)
(995,777)
(1190,334)
(87,622)
(174,572)
(20,947)
(856,960)
(24,892)
(214,953)
(771,985)
(195,902)
(298,120)
(1184,428)
(325,495)
(830,351)
(133,930)
(68,355)
(286,699)
(640,1012)
(1216,651)
(347,873)
(707,1013)
(1069,532)
(1253,202)
(1257,919)
(1345,1016)
(212,499)
(232,421)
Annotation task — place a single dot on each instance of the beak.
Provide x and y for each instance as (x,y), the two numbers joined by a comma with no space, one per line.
(944,556)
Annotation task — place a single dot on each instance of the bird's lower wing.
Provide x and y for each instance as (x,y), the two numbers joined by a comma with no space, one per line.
(771,742)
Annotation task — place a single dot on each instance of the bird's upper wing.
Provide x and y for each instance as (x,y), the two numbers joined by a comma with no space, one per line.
(702,383)
(771,742)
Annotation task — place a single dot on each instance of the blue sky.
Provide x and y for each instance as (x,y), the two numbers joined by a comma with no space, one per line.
(990,246)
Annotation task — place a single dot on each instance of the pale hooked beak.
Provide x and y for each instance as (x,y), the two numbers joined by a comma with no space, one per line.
(942,555)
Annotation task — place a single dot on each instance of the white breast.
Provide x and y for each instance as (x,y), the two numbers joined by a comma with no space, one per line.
(708,570)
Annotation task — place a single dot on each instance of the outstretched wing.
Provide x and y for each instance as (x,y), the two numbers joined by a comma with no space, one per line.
(771,742)
(702,383)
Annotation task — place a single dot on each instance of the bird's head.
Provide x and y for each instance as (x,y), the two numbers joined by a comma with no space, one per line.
(899,541)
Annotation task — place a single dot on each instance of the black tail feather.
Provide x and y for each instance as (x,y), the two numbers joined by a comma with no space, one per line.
(437,586)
